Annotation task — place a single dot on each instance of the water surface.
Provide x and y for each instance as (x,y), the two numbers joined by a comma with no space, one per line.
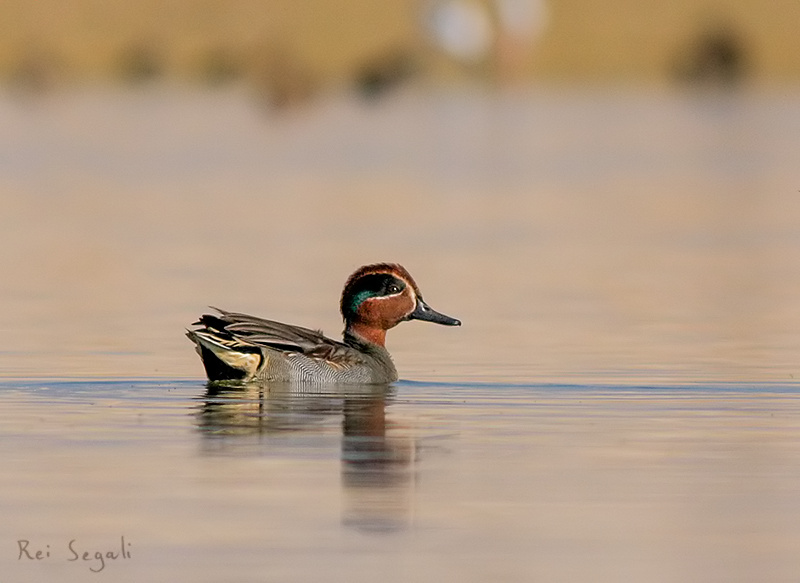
(619,405)
(420,482)
(580,236)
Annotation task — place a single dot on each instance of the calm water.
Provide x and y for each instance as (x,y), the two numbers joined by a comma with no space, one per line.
(421,482)
(620,404)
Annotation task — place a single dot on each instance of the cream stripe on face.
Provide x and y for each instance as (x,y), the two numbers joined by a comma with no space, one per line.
(391,296)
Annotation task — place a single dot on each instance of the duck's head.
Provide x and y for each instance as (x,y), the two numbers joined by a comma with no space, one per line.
(380,296)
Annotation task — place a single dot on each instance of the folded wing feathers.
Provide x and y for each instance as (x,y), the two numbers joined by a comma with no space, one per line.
(260,332)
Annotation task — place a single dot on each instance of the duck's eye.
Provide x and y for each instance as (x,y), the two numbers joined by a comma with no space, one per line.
(393,289)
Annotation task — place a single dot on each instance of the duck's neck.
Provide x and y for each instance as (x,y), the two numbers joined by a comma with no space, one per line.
(366,333)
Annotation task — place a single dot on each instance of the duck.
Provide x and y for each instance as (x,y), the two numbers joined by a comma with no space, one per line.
(376,297)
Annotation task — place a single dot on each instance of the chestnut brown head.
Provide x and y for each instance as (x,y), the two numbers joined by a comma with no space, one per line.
(380,296)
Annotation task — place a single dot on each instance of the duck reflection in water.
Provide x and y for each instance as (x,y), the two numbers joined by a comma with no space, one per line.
(377,455)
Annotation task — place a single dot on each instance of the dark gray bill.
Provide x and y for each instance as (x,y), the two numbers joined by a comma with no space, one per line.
(424,312)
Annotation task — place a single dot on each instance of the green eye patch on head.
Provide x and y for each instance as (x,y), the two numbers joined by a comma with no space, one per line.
(374,285)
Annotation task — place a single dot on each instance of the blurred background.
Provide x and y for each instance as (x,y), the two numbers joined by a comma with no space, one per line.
(599,190)
(291,50)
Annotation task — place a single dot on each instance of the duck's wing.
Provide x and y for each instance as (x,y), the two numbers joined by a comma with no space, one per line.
(245,331)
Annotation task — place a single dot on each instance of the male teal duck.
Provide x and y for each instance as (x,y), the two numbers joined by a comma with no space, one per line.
(376,298)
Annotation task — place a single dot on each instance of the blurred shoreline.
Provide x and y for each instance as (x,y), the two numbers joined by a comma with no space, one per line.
(292,50)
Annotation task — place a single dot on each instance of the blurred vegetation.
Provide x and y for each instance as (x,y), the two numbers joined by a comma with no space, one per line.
(289,48)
